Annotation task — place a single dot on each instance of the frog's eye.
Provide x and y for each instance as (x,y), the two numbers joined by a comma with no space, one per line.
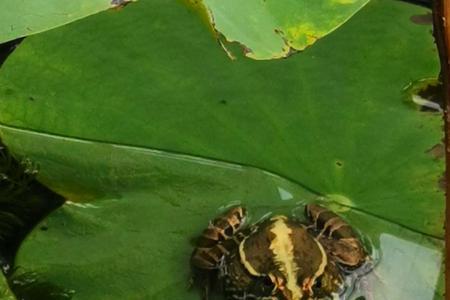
(229,231)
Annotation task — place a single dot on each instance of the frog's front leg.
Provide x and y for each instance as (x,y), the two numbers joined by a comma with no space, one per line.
(339,239)
(212,244)
(323,219)
(216,241)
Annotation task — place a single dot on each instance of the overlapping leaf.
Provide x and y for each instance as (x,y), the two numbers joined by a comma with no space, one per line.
(269,29)
(26,17)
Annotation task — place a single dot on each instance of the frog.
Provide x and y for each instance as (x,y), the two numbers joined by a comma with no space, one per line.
(278,257)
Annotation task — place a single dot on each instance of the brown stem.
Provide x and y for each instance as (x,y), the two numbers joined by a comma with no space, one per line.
(441,24)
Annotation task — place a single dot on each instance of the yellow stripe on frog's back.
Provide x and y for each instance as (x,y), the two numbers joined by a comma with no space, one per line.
(283,251)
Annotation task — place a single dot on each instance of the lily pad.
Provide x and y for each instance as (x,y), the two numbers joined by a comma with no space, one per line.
(143,124)
(112,255)
(269,29)
(26,17)
(135,241)
(317,119)
(153,188)
(131,236)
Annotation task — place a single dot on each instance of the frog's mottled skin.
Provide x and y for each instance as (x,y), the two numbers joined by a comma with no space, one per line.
(283,259)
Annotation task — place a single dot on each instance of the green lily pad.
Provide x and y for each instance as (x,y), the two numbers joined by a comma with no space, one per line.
(111,255)
(127,236)
(270,29)
(136,240)
(26,17)
(318,119)
(147,128)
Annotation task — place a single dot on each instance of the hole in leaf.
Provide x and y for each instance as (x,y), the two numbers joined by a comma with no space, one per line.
(426,95)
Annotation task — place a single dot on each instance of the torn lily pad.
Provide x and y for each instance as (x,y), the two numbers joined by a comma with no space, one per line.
(270,29)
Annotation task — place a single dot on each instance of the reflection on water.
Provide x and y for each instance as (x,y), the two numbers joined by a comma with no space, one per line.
(407,270)
(285,195)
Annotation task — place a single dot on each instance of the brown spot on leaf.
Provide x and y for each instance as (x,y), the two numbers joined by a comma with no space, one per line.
(437,151)
(443,182)
(426,19)
(247,50)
